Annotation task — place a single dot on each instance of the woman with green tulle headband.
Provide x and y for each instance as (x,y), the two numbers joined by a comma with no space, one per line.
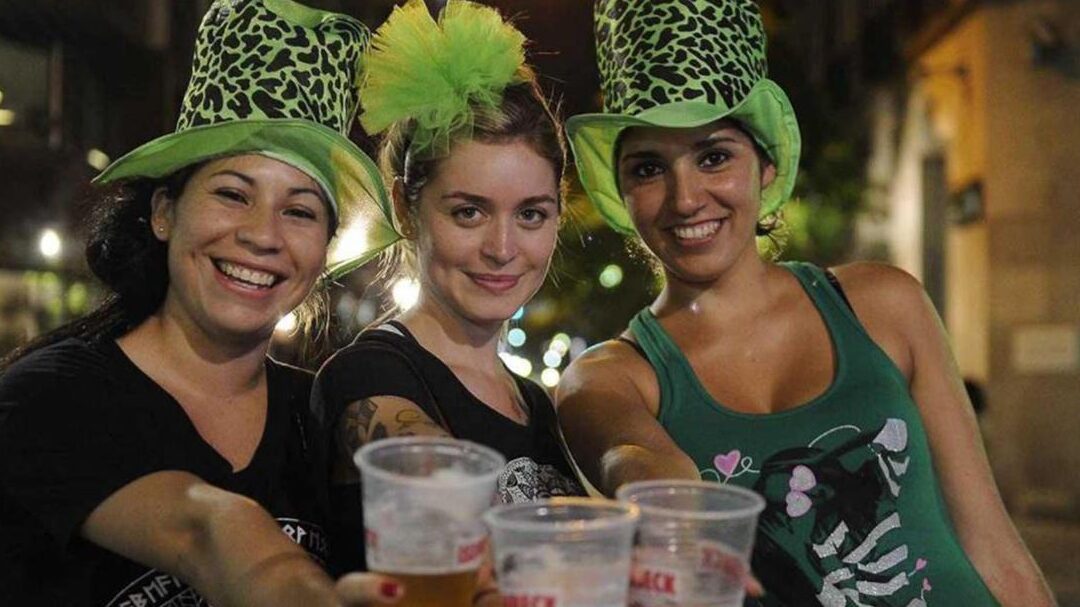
(475,157)
(832,393)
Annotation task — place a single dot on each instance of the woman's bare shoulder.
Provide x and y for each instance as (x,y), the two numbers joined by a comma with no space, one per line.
(612,365)
(881,289)
(892,306)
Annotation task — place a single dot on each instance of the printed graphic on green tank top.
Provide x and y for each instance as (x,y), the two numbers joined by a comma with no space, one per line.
(836,497)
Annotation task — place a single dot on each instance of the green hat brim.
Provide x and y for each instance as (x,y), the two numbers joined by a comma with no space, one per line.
(766,112)
(347,176)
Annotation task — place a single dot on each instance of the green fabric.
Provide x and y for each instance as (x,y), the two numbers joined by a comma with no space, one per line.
(439,75)
(854,506)
(681,64)
(276,78)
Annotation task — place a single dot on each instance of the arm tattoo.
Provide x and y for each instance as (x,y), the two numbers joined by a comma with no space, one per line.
(355,423)
(413,423)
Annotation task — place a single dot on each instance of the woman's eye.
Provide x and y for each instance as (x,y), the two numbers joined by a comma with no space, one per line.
(466,213)
(714,158)
(646,170)
(533,217)
(302,212)
(230,194)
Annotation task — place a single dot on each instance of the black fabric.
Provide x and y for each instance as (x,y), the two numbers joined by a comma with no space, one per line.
(633,344)
(383,363)
(835,282)
(78,421)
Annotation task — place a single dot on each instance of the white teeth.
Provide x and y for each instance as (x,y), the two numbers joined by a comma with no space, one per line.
(697,232)
(255,277)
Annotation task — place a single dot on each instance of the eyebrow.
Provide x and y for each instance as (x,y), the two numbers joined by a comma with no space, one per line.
(316,193)
(251,182)
(246,179)
(478,199)
(697,146)
(712,140)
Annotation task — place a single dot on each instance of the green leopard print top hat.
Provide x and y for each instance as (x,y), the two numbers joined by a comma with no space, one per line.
(275,78)
(681,64)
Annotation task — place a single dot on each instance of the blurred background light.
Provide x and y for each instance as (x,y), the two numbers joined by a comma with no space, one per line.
(550,377)
(350,242)
(50,244)
(577,346)
(611,276)
(287,324)
(516,338)
(560,343)
(519,314)
(517,364)
(7,117)
(97,159)
(405,292)
(552,359)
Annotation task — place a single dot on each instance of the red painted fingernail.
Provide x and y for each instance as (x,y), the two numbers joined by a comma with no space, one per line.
(390,590)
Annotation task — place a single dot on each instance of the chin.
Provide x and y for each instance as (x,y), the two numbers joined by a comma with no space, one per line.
(488,310)
(696,270)
(487,315)
(244,325)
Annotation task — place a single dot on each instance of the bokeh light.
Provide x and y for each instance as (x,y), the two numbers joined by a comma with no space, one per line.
(50,244)
(516,338)
(552,359)
(287,324)
(405,293)
(97,159)
(517,364)
(560,343)
(611,276)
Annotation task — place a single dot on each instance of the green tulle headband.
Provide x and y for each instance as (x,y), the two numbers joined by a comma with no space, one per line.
(438,74)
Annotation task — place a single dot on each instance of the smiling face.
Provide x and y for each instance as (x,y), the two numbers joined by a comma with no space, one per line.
(694,195)
(485,229)
(247,238)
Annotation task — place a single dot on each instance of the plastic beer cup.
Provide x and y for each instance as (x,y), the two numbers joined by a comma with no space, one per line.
(423,499)
(694,542)
(563,552)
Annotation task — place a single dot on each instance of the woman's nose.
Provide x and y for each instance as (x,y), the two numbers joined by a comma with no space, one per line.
(686,192)
(260,229)
(499,242)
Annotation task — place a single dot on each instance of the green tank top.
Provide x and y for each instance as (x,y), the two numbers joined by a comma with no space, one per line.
(855,514)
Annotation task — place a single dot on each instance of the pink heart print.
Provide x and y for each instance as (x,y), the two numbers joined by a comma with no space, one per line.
(798,504)
(727,462)
(920,564)
(802,479)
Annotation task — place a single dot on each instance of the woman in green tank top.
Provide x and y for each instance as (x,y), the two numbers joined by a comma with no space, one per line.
(844,409)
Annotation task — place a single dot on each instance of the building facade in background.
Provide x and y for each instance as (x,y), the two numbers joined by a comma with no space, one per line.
(984,142)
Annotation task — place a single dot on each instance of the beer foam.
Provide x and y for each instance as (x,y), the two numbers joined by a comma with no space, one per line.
(455,474)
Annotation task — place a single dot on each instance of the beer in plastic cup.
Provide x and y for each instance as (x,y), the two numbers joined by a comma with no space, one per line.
(694,542)
(423,499)
(563,552)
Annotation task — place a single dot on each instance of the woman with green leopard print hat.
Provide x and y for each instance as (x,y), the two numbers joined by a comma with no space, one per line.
(152,453)
(842,407)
